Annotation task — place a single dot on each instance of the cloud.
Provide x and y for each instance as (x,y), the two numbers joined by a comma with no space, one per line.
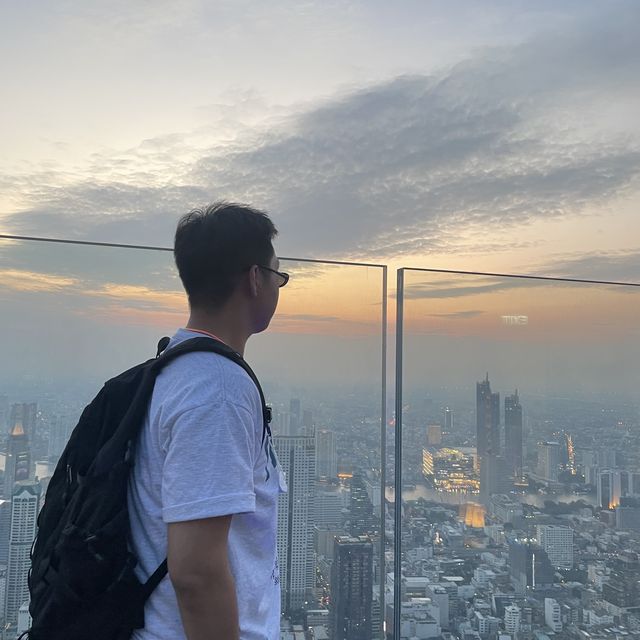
(511,136)
(23,281)
(458,315)
(306,317)
(467,286)
(606,267)
(616,266)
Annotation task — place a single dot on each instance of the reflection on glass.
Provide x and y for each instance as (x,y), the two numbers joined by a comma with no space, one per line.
(521,446)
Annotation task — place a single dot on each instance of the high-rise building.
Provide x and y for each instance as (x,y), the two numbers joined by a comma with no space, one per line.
(512,619)
(352,588)
(4,413)
(24,512)
(622,590)
(5,532)
(26,414)
(529,565)
(488,440)
(487,419)
(297,457)
(428,464)
(609,489)
(361,514)
(294,417)
(628,514)
(504,508)
(548,461)
(557,541)
(326,455)
(552,615)
(513,434)
(18,461)
(434,435)
(615,484)
(448,420)
(495,477)
(329,508)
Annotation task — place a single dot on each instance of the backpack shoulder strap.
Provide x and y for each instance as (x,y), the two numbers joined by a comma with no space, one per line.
(214,346)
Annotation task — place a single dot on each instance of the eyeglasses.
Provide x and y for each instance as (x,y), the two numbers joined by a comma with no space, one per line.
(281,274)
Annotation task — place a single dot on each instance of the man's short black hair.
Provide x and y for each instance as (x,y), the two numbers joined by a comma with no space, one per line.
(214,245)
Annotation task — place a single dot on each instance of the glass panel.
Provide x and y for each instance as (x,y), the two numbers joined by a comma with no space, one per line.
(75,315)
(520,417)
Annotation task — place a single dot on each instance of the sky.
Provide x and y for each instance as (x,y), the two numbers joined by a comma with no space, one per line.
(485,136)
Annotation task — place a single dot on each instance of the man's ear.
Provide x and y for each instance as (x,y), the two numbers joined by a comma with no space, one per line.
(254,284)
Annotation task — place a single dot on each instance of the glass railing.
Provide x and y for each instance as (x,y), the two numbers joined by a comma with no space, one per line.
(517,409)
(76,314)
(518,421)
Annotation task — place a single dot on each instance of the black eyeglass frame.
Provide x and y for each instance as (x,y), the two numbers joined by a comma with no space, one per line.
(282,274)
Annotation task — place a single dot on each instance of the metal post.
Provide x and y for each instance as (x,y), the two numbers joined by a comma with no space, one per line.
(383,450)
(397,527)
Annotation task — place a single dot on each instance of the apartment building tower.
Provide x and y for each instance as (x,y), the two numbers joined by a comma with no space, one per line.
(557,541)
(297,457)
(18,460)
(513,434)
(326,455)
(25,503)
(352,588)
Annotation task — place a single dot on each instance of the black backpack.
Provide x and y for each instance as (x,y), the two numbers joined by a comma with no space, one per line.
(82,581)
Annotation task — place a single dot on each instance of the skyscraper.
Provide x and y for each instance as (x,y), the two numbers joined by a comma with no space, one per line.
(297,456)
(628,514)
(548,461)
(513,434)
(360,508)
(487,419)
(294,417)
(494,477)
(18,462)
(492,467)
(5,532)
(326,455)
(4,413)
(557,541)
(351,588)
(622,590)
(329,508)
(529,565)
(448,420)
(26,414)
(434,435)
(24,512)
(615,484)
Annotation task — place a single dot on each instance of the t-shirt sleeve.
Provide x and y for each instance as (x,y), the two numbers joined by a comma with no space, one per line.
(208,468)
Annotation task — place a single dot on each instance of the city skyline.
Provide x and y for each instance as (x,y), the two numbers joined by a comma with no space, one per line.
(340,500)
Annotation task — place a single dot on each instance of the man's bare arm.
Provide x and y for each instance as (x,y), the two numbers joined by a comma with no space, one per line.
(199,570)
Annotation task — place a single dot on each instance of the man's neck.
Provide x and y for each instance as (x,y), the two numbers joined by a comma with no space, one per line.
(225,329)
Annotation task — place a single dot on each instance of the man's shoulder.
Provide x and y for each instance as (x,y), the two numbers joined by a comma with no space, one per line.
(203,377)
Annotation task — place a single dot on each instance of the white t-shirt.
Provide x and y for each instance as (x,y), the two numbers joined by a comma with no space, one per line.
(200,454)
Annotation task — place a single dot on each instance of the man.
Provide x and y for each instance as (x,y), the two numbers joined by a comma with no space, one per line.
(204,487)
